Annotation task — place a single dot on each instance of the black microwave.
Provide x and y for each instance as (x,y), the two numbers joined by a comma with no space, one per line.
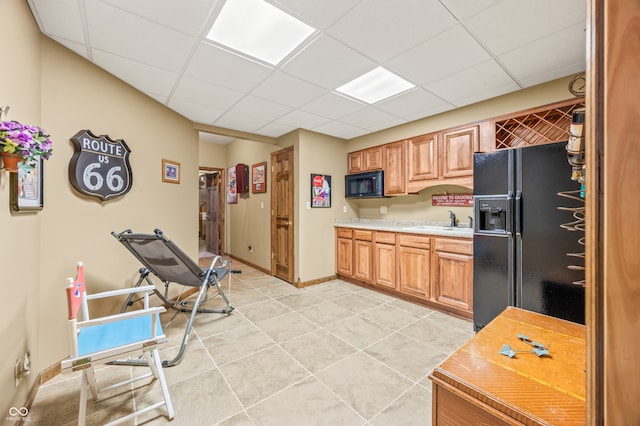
(364,185)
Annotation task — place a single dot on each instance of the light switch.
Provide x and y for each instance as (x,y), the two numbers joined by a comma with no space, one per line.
(308,205)
(344,209)
(262,204)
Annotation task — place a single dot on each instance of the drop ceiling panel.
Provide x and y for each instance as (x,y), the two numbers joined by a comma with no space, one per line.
(253,112)
(173,14)
(465,9)
(195,112)
(328,63)
(381,32)
(549,55)
(412,102)
(319,14)
(215,65)
(340,130)
(288,90)
(371,119)
(206,94)
(487,77)
(61,19)
(440,56)
(512,23)
(302,120)
(142,76)
(332,106)
(124,34)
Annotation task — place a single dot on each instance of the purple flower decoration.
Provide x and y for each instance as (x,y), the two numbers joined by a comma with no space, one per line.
(29,141)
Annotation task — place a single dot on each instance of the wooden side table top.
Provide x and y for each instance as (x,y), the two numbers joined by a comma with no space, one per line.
(530,389)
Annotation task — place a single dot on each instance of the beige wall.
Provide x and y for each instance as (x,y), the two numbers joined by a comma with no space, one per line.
(50,86)
(248,221)
(19,235)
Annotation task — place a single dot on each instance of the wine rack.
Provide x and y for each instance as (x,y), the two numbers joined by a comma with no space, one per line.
(538,126)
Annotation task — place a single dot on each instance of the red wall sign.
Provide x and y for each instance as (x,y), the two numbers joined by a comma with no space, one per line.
(459,200)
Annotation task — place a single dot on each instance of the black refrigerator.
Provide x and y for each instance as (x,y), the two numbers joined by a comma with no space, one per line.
(520,249)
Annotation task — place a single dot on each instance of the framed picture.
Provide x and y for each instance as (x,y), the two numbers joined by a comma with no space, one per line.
(232,186)
(170,171)
(26,189)
(259,178)
(320,190)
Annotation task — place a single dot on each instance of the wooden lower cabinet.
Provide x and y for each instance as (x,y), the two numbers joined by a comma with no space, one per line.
(433,269)
(453,271)
(344,252)
(385,259)
(363,255)
(414,265)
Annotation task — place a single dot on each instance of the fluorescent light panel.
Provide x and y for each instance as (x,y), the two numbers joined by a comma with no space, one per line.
(376,85)
(258,29)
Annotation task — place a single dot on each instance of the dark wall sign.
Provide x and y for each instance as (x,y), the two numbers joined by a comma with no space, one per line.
(100,166)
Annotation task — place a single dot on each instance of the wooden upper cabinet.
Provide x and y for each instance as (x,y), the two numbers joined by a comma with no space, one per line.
(354,162)
(372,158)
(395,166)
(365,160)
(422,152)
(457,148)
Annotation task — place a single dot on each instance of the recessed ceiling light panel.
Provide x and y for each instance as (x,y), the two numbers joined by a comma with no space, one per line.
(258,29)
(376,85)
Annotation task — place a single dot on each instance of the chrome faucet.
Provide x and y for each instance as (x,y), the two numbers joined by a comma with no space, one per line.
(470,222)
(452,219)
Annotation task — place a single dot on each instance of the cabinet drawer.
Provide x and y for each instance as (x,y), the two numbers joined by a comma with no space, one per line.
(362,235)
(454,246)
(417,241)
(385,237)
(344,232)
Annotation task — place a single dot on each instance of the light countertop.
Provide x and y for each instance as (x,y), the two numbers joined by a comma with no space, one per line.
(407,226)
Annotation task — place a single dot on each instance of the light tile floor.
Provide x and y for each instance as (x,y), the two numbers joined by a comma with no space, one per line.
(333,353)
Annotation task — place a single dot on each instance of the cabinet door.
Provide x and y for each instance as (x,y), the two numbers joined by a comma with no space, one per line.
(354,162)
(423,157)
(363,260)
(385,265)
(344,256)
(395,179)
(414,270)
(453,280)
(372,158)
(457,148)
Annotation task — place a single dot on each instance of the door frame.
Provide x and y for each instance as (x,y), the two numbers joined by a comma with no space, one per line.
(222,205)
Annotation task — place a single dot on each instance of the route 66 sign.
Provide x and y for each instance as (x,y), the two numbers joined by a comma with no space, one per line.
(100,166)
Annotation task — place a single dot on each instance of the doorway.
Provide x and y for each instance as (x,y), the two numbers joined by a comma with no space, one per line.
(211,212)
(282,225)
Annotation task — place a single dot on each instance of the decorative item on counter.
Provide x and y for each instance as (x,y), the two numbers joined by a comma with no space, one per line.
(538,348)
(22,145)
(452,200)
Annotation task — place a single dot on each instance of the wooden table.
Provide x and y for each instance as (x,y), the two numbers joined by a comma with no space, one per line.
(477,385)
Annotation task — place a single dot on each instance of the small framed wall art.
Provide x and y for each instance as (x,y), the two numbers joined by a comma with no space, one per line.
(170,171)
(320,190)
(232,186)
(259,178)
(27,189)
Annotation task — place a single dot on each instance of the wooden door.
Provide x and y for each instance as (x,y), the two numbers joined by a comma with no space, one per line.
(214,215)
(354,162)
(457,150)
(372,158)
(415,270)
(385,265)
(363,260)
(282,227)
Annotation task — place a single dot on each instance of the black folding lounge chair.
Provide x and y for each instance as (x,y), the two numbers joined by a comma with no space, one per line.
(162,258)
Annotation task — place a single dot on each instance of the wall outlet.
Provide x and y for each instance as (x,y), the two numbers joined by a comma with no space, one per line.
(344,209)
(383,209)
